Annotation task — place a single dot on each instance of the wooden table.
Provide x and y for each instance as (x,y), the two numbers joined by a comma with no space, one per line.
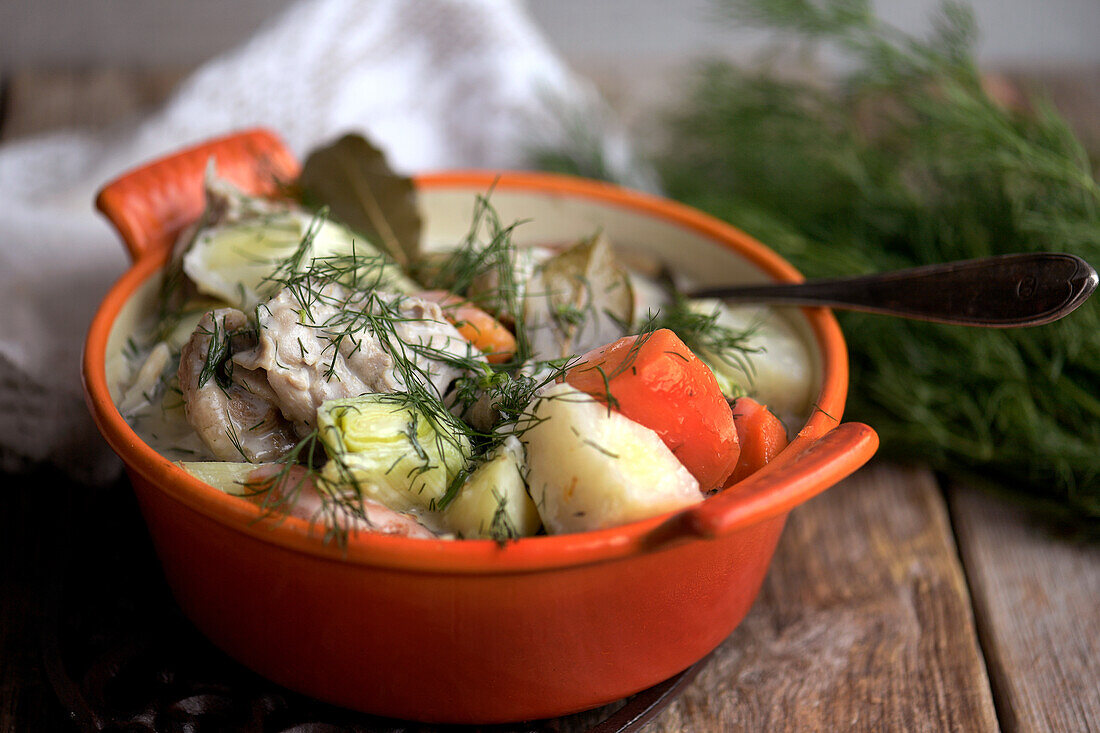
(896,600)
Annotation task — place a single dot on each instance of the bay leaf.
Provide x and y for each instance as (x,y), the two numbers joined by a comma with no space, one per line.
(578,300)
(353,179)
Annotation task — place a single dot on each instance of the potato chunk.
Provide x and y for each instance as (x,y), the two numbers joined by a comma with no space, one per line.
(493,503)
(590,467)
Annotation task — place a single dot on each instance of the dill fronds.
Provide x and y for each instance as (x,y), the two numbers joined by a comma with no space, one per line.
(904,161)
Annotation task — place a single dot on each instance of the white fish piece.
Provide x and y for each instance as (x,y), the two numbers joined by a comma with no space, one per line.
(232,409)
(330,343)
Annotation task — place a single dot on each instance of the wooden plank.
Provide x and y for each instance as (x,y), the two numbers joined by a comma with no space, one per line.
(1037,603)
(863,624)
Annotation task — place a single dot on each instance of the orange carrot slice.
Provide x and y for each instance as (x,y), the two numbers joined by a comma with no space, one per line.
(657,381)
(488,334)
(760,434)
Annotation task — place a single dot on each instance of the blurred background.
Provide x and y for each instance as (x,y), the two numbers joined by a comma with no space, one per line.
(165,33)
(632,49)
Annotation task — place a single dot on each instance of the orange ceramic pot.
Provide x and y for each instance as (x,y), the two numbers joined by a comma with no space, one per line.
(465,631)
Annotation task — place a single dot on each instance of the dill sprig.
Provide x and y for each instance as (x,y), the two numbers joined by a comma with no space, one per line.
(217,350)
(501,527)
(906,160)
(301,468)
(484,269)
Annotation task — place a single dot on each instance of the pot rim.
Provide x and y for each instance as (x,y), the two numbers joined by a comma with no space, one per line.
(771,493)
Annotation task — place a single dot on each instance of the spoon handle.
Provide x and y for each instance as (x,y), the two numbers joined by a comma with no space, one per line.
(1001,292)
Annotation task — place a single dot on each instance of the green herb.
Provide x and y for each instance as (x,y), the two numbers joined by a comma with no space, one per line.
(231,433)
(487,268)
(217,352)
(908,161)
(501,527)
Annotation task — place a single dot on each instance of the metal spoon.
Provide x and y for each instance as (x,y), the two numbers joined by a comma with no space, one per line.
(1000,292)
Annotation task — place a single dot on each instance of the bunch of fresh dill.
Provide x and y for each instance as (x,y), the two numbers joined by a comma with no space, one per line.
(904,160)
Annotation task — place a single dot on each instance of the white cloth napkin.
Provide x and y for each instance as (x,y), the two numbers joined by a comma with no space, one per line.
(435,83)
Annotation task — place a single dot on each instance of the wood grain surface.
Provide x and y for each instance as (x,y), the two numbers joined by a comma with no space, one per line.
(863,623)
(1036,601)
(883,608)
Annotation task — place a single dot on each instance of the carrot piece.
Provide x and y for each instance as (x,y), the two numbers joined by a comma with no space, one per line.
(760,433)
(476,326)
(657,381)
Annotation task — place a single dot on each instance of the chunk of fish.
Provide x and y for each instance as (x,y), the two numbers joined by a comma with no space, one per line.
(232,409)
(331,343)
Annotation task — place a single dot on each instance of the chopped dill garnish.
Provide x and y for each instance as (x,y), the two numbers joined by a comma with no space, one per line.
(569,315)
(217,352)
(452,490)
(410,432)
(594,445)
(485,268)
(231,433)
(501,528)
(130,350)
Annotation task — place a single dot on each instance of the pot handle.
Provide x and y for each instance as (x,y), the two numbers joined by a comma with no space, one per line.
(804,469)
(150,205)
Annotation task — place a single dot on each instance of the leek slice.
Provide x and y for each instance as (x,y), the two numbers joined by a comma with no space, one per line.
(234,261)
(390,451)
(228,476)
